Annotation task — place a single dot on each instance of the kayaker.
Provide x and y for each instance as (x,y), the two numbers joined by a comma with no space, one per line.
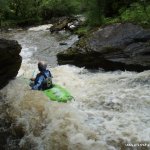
(43,79)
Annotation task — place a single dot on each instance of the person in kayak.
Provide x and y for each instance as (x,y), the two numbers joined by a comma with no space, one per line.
(43,79)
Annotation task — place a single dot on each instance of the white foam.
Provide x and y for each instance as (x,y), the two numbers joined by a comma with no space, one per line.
(107,112)
(41,28)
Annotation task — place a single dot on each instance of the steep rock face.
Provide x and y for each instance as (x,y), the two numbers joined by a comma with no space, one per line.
(119,46)
(10,60)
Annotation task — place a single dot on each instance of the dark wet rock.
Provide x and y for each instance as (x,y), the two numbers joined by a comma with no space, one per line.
(60,25)
(62,43)
(66,23)
(10,60)
(114,47)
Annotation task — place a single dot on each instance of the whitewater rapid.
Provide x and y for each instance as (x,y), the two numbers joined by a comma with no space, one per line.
(109,110)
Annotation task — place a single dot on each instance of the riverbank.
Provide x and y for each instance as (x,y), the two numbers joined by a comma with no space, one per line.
(121,46)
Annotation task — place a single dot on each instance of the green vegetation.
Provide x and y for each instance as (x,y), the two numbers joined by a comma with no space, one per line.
(27,12)
(102,12)
(82,31)
(137,13)
(97,12)
(57,8)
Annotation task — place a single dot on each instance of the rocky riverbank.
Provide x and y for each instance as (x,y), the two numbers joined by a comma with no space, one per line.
(114,47)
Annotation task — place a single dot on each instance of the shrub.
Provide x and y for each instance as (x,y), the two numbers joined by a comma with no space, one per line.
(137,13)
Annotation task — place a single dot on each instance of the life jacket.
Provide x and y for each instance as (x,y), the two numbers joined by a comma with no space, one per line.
(47,83)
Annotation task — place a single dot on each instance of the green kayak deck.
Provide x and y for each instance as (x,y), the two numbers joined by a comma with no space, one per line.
(58,93)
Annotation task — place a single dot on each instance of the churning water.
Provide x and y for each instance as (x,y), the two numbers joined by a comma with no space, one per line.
(109,110)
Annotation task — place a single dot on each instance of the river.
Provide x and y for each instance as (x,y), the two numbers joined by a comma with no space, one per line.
(110,109)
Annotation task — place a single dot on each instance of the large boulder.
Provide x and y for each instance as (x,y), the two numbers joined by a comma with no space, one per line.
(114,47)
(10,60)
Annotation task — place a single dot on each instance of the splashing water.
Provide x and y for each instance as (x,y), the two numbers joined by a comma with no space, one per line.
(110,109)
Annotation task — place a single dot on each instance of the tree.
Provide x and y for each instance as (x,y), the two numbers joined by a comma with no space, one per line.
(95,11)
(3,8)
(24,9)
(57,8)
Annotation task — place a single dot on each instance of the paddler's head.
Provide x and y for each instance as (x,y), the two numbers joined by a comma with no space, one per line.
(42,66)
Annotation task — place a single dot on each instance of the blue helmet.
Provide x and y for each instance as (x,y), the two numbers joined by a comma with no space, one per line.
(42,66)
